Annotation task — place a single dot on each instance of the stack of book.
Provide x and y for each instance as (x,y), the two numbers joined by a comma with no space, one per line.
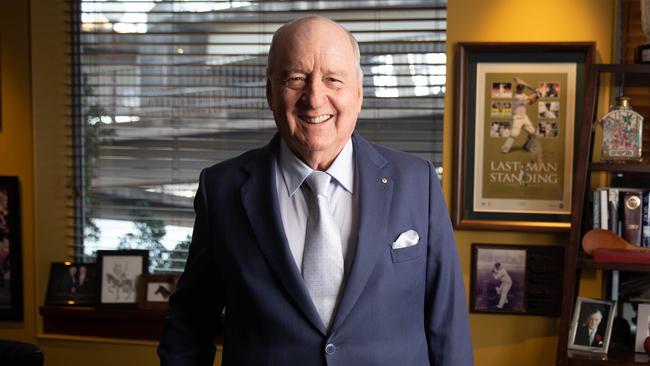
(624,211)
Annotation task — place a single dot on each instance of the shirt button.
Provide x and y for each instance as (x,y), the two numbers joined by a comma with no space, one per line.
(330,349)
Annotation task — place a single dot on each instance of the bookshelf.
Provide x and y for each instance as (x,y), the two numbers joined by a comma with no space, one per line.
(576,261)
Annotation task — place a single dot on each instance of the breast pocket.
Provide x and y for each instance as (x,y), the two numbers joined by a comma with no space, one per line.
(408,253)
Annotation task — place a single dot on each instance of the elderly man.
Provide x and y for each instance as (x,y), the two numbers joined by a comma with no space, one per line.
(587,333)
(319,248)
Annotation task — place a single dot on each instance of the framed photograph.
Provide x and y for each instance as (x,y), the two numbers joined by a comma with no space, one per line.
(154,290)
(517,107)
(516,279)
(118,272)
(72,284)
(11,276)
(642,327)
(591,327)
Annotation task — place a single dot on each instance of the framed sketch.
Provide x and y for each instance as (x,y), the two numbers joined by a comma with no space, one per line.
(154,290)
(72,284)
(11,276)
(118,272)
(642,327)
(516,279)
(591,326)
(517,107)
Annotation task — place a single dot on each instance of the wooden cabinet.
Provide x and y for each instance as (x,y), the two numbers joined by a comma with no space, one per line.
(576,261)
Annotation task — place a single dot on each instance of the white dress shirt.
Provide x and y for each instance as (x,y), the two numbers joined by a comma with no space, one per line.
(290,173)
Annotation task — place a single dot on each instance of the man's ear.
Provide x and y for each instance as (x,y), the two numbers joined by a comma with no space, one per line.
(269,95)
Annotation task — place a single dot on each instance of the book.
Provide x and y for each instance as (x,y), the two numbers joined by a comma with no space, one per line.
(612,207)
(621,256)
(632,217)
(604,217)
(646,219)
(596,206)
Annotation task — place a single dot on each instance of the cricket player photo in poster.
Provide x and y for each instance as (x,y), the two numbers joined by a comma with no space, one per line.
(524,133)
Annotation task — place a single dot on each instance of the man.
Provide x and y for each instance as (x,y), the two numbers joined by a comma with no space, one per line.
(499,273)
(520,118)
(587,333)
(392,293)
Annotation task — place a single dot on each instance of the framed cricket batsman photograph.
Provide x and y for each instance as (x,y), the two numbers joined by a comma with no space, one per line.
(518,106)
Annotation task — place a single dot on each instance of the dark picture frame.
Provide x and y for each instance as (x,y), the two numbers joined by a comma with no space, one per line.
(517,106)
(11,275)
(72,284)
(154,290)
(516,279)
(584,308)
(117,275)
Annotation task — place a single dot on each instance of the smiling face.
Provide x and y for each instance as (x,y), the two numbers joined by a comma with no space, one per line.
(314,89)
(594,320)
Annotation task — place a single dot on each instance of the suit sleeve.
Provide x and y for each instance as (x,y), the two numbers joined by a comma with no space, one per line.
(194,319)
(446,317)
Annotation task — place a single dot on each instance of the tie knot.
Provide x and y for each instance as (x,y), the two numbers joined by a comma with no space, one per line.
(319,183)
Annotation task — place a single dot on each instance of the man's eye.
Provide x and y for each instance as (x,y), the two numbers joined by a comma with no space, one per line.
(295,81)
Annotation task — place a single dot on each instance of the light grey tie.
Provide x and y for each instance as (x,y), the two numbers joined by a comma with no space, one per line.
(322,260)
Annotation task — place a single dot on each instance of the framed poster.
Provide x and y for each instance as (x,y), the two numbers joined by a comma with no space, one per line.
(118,274)
(517,107)
(72,284)
(591,327)
(516,279)
(11,276)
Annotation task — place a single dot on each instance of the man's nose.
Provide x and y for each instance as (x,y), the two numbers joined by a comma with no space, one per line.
(315,93)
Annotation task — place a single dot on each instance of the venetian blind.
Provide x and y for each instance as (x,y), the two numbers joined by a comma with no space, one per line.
(166,88)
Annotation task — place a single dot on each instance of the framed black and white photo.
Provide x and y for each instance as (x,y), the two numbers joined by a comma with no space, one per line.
(154,290)
(118,273)
(642,327)
(72,284)
(591,327)
(11,275)
(516,279)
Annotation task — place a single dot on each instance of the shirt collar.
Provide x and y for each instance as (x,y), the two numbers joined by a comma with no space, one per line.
(295,171)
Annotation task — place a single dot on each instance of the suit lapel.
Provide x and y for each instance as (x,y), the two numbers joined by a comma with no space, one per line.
(259,197)
(375,190)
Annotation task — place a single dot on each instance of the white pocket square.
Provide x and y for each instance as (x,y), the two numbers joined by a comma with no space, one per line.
(406,239)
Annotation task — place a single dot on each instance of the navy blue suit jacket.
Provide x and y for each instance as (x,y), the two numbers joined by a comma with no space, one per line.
(398,307)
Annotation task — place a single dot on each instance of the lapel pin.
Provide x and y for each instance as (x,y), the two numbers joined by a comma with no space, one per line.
(384,180)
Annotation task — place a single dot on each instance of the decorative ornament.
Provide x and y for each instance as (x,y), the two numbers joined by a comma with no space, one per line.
(622,133)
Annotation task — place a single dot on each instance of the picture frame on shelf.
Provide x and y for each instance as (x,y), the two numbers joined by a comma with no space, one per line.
(642,327)
(11,272)
(516,114)
(72,284)
(118,271)
(591,325)
(154,290)
(516,279)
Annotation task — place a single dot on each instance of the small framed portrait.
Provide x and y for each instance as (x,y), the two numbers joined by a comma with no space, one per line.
(11,271)
(154,290)
(642,327)
(72,284)
(516,279)
(118,271)
(591,326)
(498,274)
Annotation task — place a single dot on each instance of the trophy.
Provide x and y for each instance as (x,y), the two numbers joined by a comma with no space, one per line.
(622,133)
(643,50)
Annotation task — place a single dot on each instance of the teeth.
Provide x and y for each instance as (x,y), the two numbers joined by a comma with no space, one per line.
(319,119)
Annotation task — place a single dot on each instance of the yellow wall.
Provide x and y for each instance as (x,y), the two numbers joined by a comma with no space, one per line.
(16,146)
(507,340)
(34,146)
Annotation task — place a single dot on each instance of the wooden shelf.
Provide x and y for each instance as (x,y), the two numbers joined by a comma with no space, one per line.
(611,359)
(586,262)
(97,322)
(630,167)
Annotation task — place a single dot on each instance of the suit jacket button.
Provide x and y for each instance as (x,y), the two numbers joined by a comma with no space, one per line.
(330,349)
